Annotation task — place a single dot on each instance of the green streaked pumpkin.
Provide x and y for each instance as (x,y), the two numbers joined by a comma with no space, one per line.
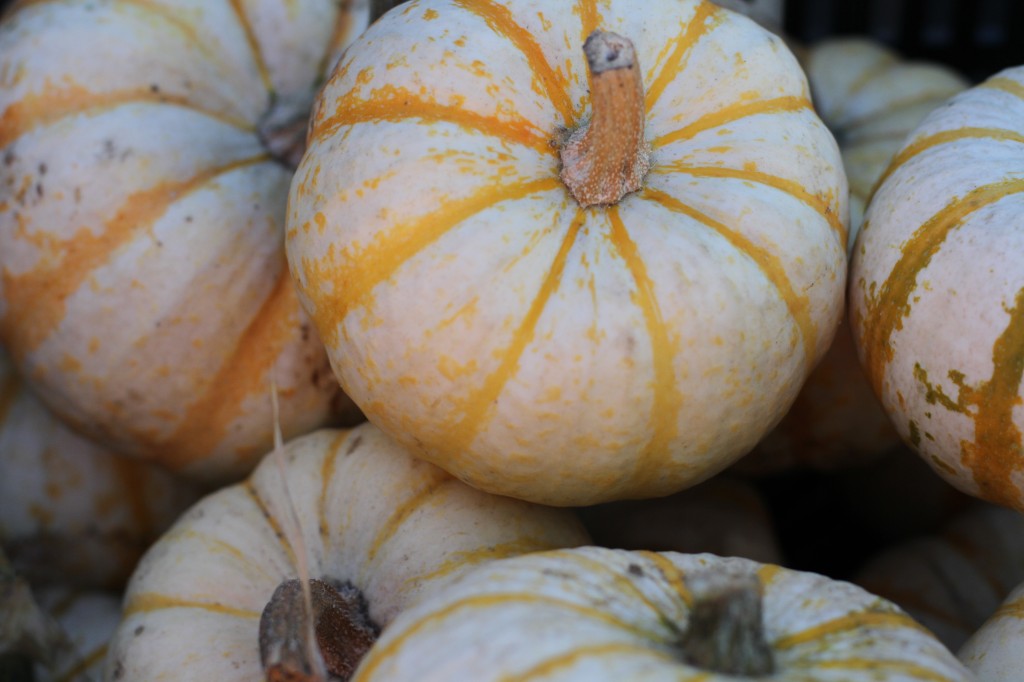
(382,527)
(534,347)
(591,614)
(937,290)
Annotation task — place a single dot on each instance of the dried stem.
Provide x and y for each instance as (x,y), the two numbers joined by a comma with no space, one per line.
(607,157)
(725,633)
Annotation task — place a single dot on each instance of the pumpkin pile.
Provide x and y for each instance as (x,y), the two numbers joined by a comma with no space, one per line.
(497,339)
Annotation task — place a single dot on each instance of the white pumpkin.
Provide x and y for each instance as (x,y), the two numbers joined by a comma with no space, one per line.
(538,332)
(146,150)
(594,614)
(376,526)
(994,652)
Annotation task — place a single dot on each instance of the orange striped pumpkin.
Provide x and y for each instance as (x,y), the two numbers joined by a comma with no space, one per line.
(371,519)
(937,290)
(481,315)
(593,614)
(145,159)
(72,512)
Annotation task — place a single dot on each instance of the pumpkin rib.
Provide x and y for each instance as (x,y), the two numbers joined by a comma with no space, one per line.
(479,403)
(254,44)
(569,658)
(622,580)
(400,514)
(667,398)
(249,487)
(393,105)
(147,602)
(380,259)
(481,554)
(217,544)
(39,310)
(380,654)
(923,144)
(54,104)
(553,82)
(793,189)
(696,28)
(674,575)
(239,377)
(1011,608)
(1004,84)
(768,263)
(886,308)
(731,113)
(327,469)
(841,624)
(916,671)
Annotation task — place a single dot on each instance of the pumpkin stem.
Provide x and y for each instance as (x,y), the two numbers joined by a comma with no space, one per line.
(341,625)
(725,633)
(607,157)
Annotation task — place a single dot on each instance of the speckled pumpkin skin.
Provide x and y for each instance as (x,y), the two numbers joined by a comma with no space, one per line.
(937,290)
(144,291)
(535,348)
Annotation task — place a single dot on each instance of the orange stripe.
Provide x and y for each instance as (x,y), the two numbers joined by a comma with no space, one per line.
(923,144)
(393,104)
(770,265)
(458,561)
(552,82)
(681,48)
(242,375)
(672,574)
(880,668)
(479,404)
(995,455)
(327,471)
(53,103)
(823,205)
(37,298)
(887,306)
(275,525)
(1007,85)
(567,659)
(847,624)
(401,513)
(382,652)
(147,602)
(667,399)
(254,45)
(590,18)
(1010,609)
(350,281)
(734,112)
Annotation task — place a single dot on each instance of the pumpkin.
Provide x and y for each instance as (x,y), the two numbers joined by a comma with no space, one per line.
(542,326)
(599,614)
(953,581)
(376,531)
(871,99)
(146,150)
(937,290)
(724,515)
(73,512)
(993,653)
